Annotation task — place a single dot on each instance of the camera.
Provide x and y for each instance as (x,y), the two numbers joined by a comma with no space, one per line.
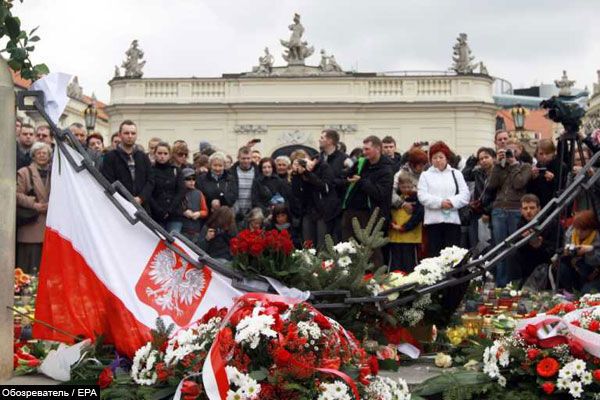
(302,162)
(571,249)
(568,114)
(509,153)
(542,169)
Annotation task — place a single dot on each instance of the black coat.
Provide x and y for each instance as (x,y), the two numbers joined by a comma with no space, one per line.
(265,187)
(23,158)
(374,189)
(481,191)
(336,164)
(218,247)
(115,168)
(223,189)
(396,162)
(543,189)
(529,257)
(169,191)
(315,193)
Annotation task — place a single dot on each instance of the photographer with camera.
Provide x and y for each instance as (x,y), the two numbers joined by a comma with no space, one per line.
(216,234)
(545,181)
(477,171)
(509,178)
(579,268)
(312,185)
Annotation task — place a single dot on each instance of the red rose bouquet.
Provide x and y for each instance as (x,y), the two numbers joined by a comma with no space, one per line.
(263,252)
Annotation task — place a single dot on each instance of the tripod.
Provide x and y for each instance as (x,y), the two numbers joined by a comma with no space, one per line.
(569,144)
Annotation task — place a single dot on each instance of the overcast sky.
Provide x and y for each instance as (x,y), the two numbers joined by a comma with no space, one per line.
(525,42)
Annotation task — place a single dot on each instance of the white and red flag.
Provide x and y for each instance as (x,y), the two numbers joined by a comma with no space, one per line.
(102,275)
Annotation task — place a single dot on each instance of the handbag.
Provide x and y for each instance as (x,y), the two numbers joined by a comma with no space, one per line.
(26,216)
(464,213)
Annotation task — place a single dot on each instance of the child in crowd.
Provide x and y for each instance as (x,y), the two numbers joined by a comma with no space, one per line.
(255,219)
(217,232)
(282,221)
(406,227)
(194,206)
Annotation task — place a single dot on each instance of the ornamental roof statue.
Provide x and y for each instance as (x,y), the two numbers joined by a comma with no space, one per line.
(133,64)
(462,56)
(265,63)
(74,90)
(564,84)
(296,50)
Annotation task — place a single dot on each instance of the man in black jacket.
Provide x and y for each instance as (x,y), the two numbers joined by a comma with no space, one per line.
(369,187)
(312,185)
(336,160)
(538,252)
(25,140)
(129,165)
(388,149)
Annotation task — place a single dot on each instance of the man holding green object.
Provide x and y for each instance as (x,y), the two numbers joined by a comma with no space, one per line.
(369,187)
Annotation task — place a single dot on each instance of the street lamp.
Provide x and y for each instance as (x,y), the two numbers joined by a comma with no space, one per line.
(518,113)
(90,114)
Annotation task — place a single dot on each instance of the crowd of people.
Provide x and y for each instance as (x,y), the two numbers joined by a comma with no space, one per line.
(429,196)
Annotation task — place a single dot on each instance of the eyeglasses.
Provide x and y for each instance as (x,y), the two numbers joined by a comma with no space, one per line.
(190,178)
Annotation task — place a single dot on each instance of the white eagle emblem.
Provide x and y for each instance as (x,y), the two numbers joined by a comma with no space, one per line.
(176,286)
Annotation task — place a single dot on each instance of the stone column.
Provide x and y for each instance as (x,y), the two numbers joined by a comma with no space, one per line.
(7,217)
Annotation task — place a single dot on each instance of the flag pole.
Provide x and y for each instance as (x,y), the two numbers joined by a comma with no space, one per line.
(47,325)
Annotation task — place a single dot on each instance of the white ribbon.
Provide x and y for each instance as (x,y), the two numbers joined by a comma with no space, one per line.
(588,339)
(285,291)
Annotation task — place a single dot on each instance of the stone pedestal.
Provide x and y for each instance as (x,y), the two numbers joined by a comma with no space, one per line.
(7,218)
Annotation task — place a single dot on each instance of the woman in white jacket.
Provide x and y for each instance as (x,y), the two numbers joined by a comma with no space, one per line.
(442,190)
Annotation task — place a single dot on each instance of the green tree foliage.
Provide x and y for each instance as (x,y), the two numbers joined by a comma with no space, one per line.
(20,43)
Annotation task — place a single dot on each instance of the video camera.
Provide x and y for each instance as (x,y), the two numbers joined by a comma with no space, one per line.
(568,114)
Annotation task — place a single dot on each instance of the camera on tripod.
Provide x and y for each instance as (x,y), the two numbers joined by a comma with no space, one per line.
(568,114)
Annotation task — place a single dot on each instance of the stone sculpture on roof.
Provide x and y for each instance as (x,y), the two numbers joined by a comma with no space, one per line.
(133,64)
(462,58)
(597,85)
(564,85)
(328,63)
(296,49)
(265,63)
(74,90)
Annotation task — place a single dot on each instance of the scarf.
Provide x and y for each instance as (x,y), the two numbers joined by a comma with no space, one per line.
(587,241)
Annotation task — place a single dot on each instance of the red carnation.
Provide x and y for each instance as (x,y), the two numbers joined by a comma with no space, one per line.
(374,365)
(162,372)
(576,323)
(282,357)
(577,349)
(548,367)
(532,354)
(331,363)
(594,326)
(548,387)
(105,379)
(322,321)
(568,307)
(190,390)
(596,375)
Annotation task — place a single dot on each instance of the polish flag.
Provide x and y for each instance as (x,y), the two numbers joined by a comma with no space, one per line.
(102,275)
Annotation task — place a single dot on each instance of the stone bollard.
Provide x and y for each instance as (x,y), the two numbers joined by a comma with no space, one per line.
(8,184)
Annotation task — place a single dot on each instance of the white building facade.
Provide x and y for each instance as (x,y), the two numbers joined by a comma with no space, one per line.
(285,110)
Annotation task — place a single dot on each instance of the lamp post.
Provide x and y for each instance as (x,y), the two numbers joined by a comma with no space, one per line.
(518,113)
(90,115)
